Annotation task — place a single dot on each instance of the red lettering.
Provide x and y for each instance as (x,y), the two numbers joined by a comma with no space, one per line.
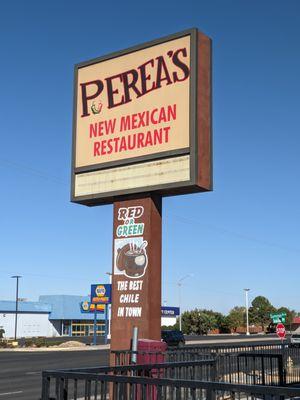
(93,130)
(110,147)
(148,141)
(116,140)
(172,112)
(153,121)
(157,136)
(122,144)
(140,137)
(103,147)
(134,121)
(166,129)
(125,123)
(97,149)
(110,126)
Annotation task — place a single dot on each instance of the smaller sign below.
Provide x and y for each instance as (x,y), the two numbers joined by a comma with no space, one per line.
(280,331)
(278,318)
(170,311)
(101,294)
(87,307)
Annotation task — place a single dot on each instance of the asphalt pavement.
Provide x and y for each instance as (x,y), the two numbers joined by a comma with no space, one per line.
(20,372)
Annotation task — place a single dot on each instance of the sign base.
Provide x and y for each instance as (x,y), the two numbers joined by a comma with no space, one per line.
(136,279)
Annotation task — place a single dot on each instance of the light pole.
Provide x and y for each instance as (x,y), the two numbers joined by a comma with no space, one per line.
(247,312)
(109,307)
(17,277)
(179,283)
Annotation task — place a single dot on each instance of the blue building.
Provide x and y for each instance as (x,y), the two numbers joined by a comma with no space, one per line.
(52,315)
(59,315)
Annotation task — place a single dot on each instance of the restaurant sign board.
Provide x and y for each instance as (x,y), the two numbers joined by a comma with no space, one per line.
(142,121)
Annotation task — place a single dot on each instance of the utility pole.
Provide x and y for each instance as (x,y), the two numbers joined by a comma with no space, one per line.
(108,310)
(247,311)
(17,277)
(179,283)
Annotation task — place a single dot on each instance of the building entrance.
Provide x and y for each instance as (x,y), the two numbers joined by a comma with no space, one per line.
(86,328)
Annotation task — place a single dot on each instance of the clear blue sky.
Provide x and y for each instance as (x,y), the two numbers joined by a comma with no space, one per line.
(243,234)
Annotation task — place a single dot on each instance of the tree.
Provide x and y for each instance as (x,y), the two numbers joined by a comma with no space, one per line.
(260,311)
(236,318)
(290,314)
(200,322)
(223,324)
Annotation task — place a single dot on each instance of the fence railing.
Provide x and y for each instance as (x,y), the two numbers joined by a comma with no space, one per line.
(251,368)
(280,365)
(188,353)
(232,367)
(118,387)
(192,370)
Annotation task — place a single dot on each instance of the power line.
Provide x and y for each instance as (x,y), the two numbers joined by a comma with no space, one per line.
(33,171)
(224,231)
(55,277)
(239,235)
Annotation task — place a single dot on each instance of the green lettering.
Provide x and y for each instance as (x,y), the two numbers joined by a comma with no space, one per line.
(140,229)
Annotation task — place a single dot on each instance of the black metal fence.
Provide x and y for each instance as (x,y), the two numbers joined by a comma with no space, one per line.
(57,382)
(188,353)
(118,387)
(280,363)
(252,366)
(270,365)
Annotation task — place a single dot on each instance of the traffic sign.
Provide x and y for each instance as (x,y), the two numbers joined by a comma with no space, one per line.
(280,331)
(278,318)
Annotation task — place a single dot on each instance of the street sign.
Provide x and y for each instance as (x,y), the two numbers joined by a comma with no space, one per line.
(101,293)
(278,318)
(170,311)
(280,331)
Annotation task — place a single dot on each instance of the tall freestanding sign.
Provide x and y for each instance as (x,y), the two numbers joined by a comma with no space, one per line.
(142,130)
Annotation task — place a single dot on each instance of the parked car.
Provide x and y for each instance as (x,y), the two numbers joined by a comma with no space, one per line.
(295,340)
(271,328)
(173,338)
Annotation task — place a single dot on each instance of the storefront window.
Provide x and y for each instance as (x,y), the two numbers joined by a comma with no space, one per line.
(86,328)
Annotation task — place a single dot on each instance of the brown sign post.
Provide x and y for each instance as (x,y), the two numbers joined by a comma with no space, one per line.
(136,280)
(141,131)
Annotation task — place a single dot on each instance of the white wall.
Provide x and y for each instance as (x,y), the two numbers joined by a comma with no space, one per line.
(29,325)
(168,321)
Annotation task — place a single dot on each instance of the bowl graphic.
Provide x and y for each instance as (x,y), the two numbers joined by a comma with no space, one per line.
(132,259)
